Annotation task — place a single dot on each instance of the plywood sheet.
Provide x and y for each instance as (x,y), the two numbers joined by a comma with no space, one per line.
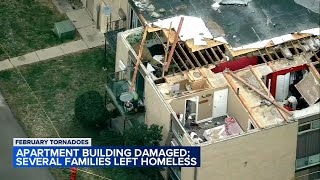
(153,29)
(309,88)
(171,36)
(210,43)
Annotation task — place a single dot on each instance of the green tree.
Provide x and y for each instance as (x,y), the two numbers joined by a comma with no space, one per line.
(90,110)
(142,135)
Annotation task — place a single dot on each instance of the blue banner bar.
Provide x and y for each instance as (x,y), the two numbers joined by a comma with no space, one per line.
(116,156)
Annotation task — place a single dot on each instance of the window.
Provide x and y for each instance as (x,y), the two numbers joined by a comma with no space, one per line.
(309,126)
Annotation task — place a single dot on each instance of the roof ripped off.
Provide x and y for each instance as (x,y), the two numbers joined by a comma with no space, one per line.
(188,31)
(239,24)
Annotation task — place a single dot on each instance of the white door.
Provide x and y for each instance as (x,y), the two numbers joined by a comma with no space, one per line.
(282,89)
(220,102)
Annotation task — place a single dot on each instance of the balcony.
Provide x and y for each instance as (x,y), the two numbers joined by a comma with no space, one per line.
(113,28)
(130,105)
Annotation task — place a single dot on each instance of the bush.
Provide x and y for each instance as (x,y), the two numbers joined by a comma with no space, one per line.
(90,110)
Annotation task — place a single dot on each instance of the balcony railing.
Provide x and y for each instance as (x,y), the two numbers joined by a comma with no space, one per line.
(115,25)
(116,86)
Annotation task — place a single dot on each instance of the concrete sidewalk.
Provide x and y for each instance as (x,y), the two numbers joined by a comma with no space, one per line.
(9,128)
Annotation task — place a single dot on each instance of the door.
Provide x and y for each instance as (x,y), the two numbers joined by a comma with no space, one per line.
(191,110)
(282,89)
(220,102)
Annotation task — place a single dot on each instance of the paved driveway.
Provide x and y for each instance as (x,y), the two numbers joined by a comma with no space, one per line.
(9,128)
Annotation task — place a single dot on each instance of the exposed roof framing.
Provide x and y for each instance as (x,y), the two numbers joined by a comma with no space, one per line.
(267,91)
(259,92)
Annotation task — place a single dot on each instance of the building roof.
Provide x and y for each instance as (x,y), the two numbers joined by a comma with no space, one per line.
(239,24)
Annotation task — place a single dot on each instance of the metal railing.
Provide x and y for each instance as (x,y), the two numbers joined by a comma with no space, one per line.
(115,25)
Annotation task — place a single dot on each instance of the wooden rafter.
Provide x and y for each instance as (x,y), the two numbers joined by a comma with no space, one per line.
(223,56)
(186,56)
(176,38)
(269,55)
(294,47)
(259,92)
(136,68)
(208,55)
(202,58)
(164,48)
(181,60)
(314,70)
(195,59)
(215,54)
(261,55)
(267,91)
(275,53)
(301,46)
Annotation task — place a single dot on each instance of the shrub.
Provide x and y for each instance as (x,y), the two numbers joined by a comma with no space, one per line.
(90,110)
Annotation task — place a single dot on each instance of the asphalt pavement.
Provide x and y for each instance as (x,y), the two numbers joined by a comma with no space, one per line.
(9,128)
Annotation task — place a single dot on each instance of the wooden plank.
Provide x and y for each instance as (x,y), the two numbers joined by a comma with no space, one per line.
(177,65)
(260,93)
(269,55)
(242,100)
(153,29)
(215,54)
(170,36)
(202,58)
(176,38)
(314,71)
(208,55)
(195,59)
(267,91)
(224,56)
(275,53)
(181,60)
(166,50)
(136,68)
(295,49)
(261,55)
(186,56)
(301,46)
(210,43)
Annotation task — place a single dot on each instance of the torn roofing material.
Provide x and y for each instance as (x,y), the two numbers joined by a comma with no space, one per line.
(240,25)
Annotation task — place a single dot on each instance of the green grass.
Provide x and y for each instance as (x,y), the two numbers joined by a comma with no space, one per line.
(57,83)
(25,26)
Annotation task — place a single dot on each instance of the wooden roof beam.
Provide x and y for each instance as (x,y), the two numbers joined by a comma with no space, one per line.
(295,49)
(136,68)
(222,53)
(186,56)
(215,54)
(267,91)
(181,60)
(269,55)
(261,55)
(195,59)
(202,58)
(208,55)
(259,92)
(314,70)
(176,38)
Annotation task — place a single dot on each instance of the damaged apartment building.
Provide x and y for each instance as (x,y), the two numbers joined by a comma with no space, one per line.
(240,80)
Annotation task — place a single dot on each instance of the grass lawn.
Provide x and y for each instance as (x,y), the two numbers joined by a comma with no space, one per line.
(25,26)
(57,83)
